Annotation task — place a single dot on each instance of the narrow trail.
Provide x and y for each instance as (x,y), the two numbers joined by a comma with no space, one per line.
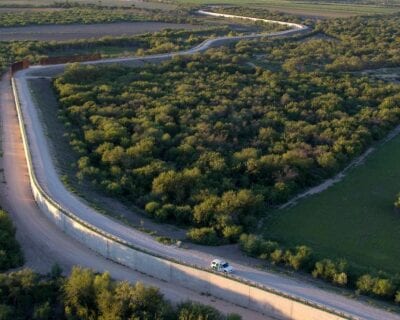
(49,180)
(342,174)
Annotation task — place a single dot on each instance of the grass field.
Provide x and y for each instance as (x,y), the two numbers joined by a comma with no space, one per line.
(355,219)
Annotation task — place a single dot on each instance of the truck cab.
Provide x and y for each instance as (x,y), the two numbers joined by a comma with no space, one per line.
(221,266)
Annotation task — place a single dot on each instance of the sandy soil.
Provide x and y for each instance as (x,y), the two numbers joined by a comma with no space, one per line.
(85,31)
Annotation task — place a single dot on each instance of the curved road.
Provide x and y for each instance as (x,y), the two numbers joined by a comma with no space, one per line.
(50,182)
(43,243)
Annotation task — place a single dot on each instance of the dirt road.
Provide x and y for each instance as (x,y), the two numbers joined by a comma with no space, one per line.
(44,244)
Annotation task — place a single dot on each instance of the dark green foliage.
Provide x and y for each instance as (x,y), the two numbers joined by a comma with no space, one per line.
(333,271)
(256,246)
(297,258)
(205,141)
(26,295)
(204,235)
(10,251)
(350,44)
(85,295)
(90,296)
(381,287)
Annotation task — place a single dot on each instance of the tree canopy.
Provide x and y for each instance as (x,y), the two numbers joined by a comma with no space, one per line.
(209,141)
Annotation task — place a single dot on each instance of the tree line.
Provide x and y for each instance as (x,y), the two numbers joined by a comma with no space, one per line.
(336,271)
(85,295)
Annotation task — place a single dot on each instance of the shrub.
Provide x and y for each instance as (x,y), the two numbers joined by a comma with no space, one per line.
(383,288)
(397,297)
(166,212)
(380,287)
(277,256)
(232,233)
(205,235)
(152,207)
(183,214)
(256,246)
(299,258)
(251,244)
(267,247)
(333,271)
(365,283)
(340,279)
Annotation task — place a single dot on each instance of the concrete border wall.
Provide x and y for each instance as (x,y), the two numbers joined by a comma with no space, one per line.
(230,288)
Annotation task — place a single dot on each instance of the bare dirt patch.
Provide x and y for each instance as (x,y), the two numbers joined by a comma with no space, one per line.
(88,31)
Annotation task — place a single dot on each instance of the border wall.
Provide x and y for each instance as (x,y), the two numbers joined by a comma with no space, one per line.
(69,59)
(19,65)
(229,288)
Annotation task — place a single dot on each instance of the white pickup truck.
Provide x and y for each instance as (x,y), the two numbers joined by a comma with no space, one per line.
(221,266)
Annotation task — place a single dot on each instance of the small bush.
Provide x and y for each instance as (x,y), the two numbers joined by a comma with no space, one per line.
(206,236)
(277,256)
(232,233)
(251,244)
(333,271)
(166,212)
(299,258)
(165,240)
(380,287)
(152,207)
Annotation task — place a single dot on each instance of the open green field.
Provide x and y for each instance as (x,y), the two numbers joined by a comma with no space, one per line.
(354,219)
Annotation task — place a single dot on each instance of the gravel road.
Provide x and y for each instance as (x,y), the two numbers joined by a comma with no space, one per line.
(49,180)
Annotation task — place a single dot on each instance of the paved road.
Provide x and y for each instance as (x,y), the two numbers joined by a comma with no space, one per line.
(50,182)
(43,243)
